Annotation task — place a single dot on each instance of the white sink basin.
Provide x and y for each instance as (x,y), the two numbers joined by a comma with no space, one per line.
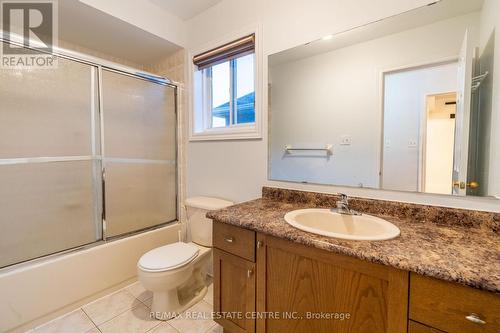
(355,227)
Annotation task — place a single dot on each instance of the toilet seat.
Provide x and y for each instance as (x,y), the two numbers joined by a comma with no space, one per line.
(168,257)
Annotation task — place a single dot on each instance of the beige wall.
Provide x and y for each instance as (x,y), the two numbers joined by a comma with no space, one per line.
(84,50)
(440,138)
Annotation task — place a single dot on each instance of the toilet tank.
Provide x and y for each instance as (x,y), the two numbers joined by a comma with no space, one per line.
(199,226)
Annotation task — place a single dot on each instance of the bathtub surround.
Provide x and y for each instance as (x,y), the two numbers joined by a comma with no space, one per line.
(38,292)
(174,67)
(449,244)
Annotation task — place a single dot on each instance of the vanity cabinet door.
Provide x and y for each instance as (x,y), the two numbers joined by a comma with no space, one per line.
(234,292)
(453,308)
(318,291)
(414,327)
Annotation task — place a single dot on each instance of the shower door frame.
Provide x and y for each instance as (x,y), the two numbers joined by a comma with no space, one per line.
(98,65)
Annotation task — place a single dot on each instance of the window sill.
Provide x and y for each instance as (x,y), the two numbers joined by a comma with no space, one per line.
(228,133)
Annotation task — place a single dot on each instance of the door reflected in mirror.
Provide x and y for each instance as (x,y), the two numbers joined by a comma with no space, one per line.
(409,103)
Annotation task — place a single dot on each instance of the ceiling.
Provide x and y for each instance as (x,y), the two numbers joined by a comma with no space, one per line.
(185,9)
(91,28)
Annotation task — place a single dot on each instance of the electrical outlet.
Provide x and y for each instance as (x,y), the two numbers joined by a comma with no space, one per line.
(412,143)
(345,140)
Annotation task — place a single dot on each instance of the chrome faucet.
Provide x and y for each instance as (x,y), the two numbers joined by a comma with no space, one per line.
(343,206)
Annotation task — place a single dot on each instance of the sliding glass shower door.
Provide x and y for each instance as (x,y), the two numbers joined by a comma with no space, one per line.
(61,130)
(49,161)
(139,155)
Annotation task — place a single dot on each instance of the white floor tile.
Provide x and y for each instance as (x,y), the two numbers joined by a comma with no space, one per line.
(139,292)
(128,311)
(75,322)
(215,329)
(136,320)
(163,328)
(110,306)
(196,319)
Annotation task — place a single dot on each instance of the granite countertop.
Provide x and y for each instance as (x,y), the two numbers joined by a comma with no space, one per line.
(457,253)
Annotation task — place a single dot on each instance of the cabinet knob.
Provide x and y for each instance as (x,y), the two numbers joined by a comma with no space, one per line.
(260,244)
(475,319)
(229,239)
(249,273)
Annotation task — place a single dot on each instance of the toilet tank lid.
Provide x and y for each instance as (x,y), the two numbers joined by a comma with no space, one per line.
(208,203)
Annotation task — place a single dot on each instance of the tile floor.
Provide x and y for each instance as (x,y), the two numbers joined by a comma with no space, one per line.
(127,311)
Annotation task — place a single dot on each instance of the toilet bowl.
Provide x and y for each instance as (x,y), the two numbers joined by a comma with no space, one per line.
(177,274)
(166,269)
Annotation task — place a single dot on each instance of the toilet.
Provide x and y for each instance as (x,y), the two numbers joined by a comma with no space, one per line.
(177,273)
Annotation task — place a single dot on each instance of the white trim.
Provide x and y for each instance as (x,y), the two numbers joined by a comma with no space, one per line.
(31,160)
(137,161)
(235,132)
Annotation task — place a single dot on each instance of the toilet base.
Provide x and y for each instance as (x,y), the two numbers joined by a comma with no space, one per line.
(166,305)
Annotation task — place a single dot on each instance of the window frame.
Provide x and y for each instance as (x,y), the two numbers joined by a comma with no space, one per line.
(233,97)
(200,120)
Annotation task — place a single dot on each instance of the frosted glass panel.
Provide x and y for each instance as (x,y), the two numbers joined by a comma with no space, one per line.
(46,112)
(139,196)
(46,208)
(139,118)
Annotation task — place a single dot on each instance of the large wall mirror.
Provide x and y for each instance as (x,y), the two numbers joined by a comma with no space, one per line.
(409,103)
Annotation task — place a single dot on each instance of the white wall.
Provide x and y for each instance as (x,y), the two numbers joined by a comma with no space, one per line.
(37,292)
(490,21)
(145,15)
(404,119)
(238,169)
(316,101)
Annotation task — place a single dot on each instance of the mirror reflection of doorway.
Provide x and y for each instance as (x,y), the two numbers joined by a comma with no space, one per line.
(438,143)
(406,94)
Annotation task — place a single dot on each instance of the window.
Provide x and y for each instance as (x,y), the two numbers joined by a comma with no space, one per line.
(225,91)
(230,86)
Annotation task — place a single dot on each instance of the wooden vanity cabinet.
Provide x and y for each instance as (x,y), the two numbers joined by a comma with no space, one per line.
(451,307)
(234,292)
(284,281)
(414,327)
(234,277)
(306,282)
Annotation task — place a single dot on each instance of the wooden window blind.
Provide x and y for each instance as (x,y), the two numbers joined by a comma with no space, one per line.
(226,52)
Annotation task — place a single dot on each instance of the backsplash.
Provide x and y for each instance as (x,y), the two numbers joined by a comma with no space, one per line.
(416,212)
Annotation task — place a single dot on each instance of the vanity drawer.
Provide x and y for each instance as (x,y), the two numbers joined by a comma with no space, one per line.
(235,240)
(453,308)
